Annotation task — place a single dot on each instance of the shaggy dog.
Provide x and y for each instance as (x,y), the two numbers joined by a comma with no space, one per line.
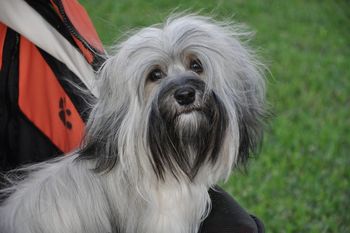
(180,105)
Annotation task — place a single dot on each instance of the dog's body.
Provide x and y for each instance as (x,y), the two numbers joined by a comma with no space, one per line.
(67,197)
(180,105)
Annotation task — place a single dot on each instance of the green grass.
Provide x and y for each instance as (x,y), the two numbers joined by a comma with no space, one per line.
(301,180)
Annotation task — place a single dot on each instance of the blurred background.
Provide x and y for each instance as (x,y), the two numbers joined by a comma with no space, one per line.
(300,182)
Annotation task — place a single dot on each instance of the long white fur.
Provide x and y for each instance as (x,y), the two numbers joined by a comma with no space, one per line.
(67,196)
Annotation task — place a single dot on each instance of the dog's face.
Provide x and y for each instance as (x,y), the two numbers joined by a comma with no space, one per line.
(177,99)
(187,122)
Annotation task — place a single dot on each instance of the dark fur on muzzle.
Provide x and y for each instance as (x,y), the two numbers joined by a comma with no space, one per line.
(179,147)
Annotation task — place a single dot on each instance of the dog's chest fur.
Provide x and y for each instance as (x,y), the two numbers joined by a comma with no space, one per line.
(170,207)
(174,210)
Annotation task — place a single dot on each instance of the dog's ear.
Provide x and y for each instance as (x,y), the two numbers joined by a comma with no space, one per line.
(250,100)
(100,142)
(249,92)
(251,124)
(251,110)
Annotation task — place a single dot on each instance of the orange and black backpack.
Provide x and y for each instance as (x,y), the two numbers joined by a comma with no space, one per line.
(48,48)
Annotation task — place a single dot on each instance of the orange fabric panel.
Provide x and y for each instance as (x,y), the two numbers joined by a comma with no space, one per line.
(44,101)
(87,54)
(3,30)
(82,23)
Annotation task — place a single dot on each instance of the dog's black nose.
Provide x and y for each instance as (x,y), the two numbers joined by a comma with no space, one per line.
(185,95)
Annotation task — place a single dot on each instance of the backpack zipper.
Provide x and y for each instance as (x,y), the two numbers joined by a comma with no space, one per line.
(72,29)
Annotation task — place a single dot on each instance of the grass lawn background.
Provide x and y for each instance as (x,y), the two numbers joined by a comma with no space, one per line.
(300,182)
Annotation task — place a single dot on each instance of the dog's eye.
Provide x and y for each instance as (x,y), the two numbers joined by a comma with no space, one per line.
(155,75)
(196,66)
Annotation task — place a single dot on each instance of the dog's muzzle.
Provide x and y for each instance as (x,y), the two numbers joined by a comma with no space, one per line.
(181,95)
(187,124)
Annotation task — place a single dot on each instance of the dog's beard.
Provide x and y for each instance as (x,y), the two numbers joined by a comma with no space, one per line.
(182,138)
(188,125)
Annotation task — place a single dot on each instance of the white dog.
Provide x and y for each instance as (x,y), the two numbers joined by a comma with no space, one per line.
(180,105)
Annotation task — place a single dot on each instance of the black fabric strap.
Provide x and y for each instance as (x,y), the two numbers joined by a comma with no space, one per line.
(227,216)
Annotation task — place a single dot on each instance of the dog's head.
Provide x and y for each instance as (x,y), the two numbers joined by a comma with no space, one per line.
(183,99)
